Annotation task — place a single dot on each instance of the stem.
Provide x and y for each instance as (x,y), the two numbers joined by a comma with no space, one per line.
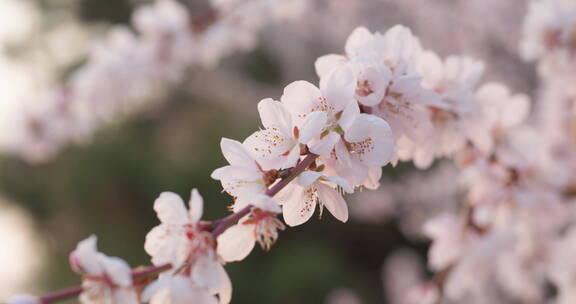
(76,290)
(61,294)
(299,168)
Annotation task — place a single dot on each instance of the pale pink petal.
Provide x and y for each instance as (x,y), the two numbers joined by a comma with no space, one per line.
(338,87)
(515,110)
(339,181)
(166,244)
(274,116)
(85,256)
(300,98)
(349,115)
(236,154)
(124,295)
(292,158)
(372,82)
(170,209)
(236,242)
(224,290)
(196,206)
(325,64)
(306,178)
(326,144)
(118,271)
(312,126)
(357,41)
(372,181)
(371,140)
(269,147)
(299,205)
(266,203)
(333,201)
(205,272)
(235,173)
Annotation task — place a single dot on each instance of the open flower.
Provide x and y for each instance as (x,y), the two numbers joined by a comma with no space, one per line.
(385,77)
(105,279)
(455,80)
(500,113)
(332,105)
(244,177)
(311,188)
(260,225)
(183,241)
(367,143)
(278,145)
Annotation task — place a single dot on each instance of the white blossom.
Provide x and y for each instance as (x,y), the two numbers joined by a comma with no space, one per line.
(260,225)
(106,280)
(183,241)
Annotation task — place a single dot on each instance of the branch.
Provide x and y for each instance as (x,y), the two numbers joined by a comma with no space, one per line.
(219,225)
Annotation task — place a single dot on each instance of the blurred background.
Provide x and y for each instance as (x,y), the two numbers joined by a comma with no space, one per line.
(107,186)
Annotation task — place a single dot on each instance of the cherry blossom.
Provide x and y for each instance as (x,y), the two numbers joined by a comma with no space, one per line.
(183,241)
(244,177)
(455,80)
(260,225)
(386,78)
(105,279)
(278,145)
(332,107)
(309,189)
(366,145)
(500,112)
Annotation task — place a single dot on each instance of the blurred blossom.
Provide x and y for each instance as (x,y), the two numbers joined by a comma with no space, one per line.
(343,296)
(18,19)
(22,253)
(413,198)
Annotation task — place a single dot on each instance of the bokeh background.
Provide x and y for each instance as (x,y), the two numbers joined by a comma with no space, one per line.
(108,185)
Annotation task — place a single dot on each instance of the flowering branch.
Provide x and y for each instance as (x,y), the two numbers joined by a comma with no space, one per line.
(219,225)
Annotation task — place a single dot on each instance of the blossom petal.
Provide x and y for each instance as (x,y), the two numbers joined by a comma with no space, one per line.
(236,242)
(333,201)
(119,272)
(357,41)
(306,178)
(372,181)
(371,140)
(273,114)
(170,209)
(85,257)
(236,154)
(299,205)
(266,203)
(340,182)
(196,206)
(326,144)
(325,64)
(166,244)
(300,98)
(312,126)
(338,88)
(269,146)
(224,290)
(205,272)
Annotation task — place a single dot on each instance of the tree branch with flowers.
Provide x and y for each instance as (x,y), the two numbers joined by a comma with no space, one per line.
(385,100)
